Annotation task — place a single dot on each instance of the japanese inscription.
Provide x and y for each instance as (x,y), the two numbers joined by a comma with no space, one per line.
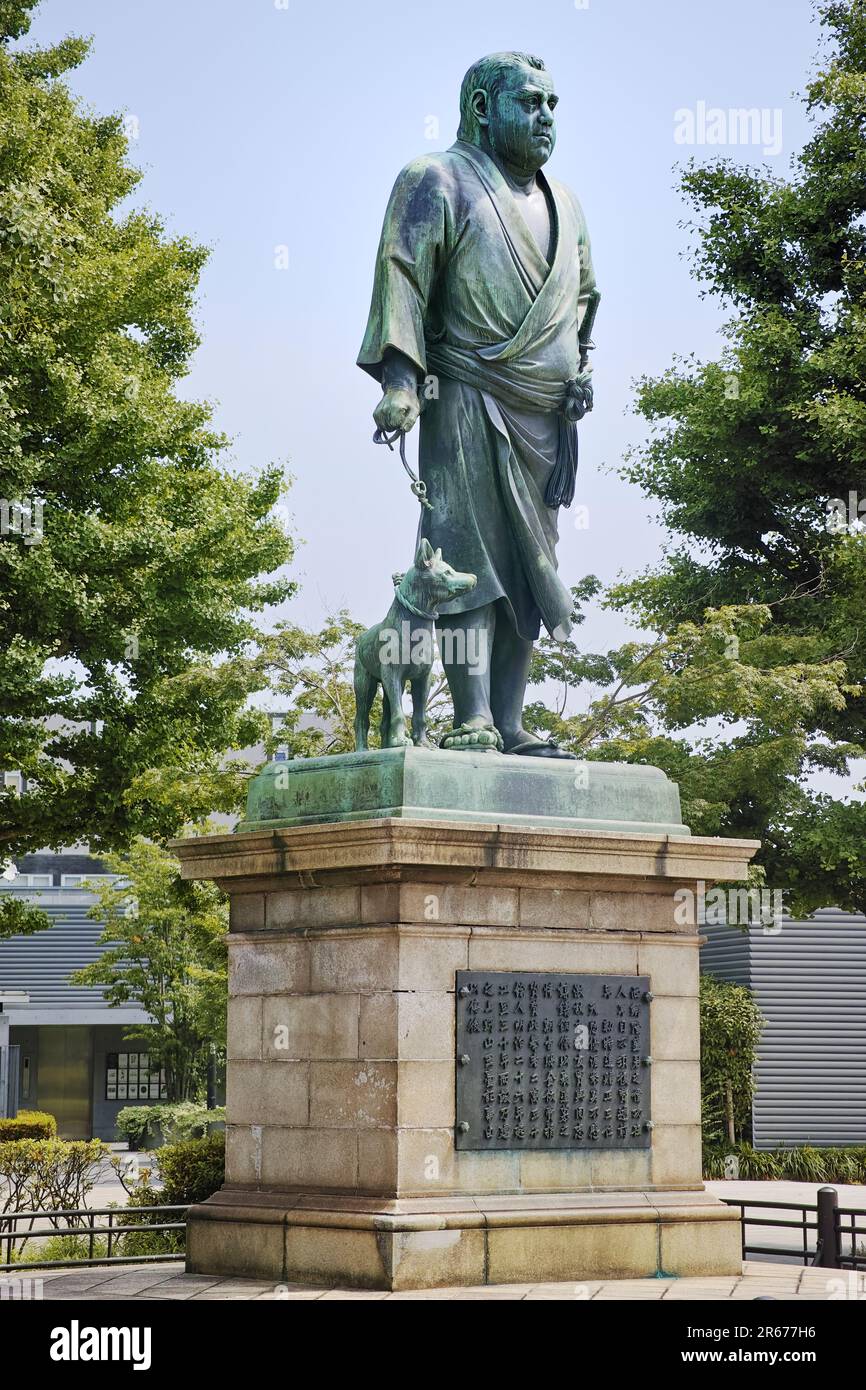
(550,1061)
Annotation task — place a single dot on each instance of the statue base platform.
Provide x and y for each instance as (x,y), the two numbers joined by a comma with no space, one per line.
(350,1242)
(490,788)
(345,1160)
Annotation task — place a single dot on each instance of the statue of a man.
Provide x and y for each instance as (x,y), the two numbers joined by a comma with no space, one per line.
(482,307)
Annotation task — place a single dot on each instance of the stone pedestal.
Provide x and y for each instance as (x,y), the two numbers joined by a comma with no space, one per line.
(344,945)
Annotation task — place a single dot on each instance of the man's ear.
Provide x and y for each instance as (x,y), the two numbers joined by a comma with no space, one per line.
(479,104)
(424,554)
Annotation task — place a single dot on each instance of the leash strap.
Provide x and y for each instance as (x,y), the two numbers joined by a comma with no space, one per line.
(419,488)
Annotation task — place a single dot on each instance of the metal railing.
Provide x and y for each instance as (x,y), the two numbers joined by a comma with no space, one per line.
(84,1218)
(825,1218)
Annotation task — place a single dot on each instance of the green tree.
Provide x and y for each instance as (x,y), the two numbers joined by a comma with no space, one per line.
(723,705)
(758,462)
(731,1026)
(166,952)
(130,552)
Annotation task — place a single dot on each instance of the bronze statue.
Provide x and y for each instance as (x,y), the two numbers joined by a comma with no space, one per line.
(401,649)
(480,322)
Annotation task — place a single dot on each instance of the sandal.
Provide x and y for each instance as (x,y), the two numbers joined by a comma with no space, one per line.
(549,748)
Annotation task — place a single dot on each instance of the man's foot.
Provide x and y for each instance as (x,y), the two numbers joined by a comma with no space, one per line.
(528,746)
(474,737)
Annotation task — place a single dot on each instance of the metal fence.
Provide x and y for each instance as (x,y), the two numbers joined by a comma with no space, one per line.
(839,1232)
(16,1228)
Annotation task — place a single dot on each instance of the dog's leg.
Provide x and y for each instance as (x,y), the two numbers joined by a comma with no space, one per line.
(420,692)
(394,731)
(365,694)
(385,721)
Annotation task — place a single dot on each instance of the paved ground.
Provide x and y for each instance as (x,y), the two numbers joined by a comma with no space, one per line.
(806,1192)
(167,1281)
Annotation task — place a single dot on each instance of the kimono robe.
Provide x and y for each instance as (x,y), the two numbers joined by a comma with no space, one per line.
(463,291)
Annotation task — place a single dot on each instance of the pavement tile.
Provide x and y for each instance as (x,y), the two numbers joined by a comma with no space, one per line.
(576,1289)
(348,1295)
(538,1296)
(184,1288)
(759,1279)
(410,1295)
(134,1280)
(611,1291)
(489,1294)
(291,1296)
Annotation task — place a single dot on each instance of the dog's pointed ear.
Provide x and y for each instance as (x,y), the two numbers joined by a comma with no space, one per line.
(424,554)
(438,555)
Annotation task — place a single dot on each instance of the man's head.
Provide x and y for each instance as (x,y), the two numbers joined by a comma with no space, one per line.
(507,102)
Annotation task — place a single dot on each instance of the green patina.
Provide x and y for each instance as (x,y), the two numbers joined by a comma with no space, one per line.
(429,784)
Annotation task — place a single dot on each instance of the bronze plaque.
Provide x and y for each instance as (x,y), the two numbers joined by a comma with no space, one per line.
(550,1061)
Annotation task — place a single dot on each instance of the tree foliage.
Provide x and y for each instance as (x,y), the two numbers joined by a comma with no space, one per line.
(130,553)
(731,1025)
(757,462)
(165,951)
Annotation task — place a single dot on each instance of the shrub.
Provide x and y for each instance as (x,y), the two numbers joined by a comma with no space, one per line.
(28,1124)
(134,1122)
(731,1025)
(143,1241)
(47,1175)
(178,1121)
(192,1170)
(75,1246)
(802,1164)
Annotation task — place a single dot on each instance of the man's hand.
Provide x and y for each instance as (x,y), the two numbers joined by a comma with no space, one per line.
(398,409)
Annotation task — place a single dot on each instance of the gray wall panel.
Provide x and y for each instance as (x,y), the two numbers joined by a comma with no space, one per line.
(809,981)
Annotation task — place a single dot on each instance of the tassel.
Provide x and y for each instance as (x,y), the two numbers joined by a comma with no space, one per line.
(560,485)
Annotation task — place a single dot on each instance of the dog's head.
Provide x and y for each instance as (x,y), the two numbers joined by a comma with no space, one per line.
(434,578)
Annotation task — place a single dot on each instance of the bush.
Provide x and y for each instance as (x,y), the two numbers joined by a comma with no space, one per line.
(47,1175)
(143,1241)
(190,1172)
(43,1250)
(28,1124)
(134,1123)
(731,1025)
(176,1122)
(193,1170)
(803,1164)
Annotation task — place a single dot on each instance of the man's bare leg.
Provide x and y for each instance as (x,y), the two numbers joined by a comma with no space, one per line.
(465,644)
(509,673)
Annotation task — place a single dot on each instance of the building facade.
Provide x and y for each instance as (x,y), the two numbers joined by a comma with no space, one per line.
(809,981)
(71,1042)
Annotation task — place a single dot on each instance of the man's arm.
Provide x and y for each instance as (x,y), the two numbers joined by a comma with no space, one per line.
(410,252)
(589,296)
(399,407)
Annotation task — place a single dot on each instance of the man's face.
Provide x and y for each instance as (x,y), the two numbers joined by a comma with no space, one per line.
(522,130)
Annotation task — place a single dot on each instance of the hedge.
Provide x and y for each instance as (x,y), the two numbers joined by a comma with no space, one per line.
(28,1124)
(802,1164)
